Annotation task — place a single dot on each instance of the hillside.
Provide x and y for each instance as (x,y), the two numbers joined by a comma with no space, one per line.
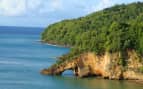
(115,29)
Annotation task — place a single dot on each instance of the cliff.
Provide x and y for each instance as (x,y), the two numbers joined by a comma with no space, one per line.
(107,66)
(107,43)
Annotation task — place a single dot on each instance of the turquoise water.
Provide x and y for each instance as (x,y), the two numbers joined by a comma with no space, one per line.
(22,57)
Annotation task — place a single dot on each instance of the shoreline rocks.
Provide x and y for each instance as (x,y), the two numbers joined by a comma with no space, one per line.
(106,66)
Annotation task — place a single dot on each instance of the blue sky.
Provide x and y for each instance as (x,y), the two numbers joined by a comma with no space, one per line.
(40,13)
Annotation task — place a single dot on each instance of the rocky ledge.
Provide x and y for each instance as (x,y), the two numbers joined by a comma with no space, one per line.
(107,66)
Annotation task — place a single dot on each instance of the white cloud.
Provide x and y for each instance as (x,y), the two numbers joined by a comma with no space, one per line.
(105,4)
(34,12)
(51,6)
(25,7)
(21,7)
(33,4)
(101,5)
(12,7)
(46,7)
(56,4)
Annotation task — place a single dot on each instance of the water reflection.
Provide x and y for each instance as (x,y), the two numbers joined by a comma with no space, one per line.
(94,83)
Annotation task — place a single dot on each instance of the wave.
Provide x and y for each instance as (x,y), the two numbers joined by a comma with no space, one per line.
(49,44)
(39,41)
(19,63)
(8,62)
(53,45)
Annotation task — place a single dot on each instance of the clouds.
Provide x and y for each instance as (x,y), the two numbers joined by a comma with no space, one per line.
(34,12)
(56,4)
(32,4)
(12,7)
(101,5)
(49,6)
(23,7)
(37,7)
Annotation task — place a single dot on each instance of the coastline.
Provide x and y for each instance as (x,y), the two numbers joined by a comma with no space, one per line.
(54,44)
(51,44)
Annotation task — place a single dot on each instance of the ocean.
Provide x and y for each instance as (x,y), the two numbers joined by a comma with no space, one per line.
(22,56)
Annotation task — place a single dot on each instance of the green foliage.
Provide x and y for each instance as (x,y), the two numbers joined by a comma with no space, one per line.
(118,28)
(123,57)
(141,69)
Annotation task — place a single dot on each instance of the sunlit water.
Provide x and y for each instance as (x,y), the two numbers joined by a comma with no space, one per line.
(22,57)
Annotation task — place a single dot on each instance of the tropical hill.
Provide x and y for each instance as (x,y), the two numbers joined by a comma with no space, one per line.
(118,29)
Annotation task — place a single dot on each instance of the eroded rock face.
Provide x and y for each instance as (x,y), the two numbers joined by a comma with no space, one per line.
(106,66)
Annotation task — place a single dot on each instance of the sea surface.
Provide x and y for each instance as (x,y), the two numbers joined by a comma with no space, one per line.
(22,56)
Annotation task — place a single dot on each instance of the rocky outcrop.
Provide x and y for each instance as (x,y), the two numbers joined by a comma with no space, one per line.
(107,66)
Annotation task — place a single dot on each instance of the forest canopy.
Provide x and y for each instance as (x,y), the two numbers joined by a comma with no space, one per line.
(118,28)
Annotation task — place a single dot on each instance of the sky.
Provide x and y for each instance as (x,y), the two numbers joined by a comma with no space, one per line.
(41,13)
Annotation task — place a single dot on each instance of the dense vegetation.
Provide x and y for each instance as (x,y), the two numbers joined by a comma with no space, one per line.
(118,28)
